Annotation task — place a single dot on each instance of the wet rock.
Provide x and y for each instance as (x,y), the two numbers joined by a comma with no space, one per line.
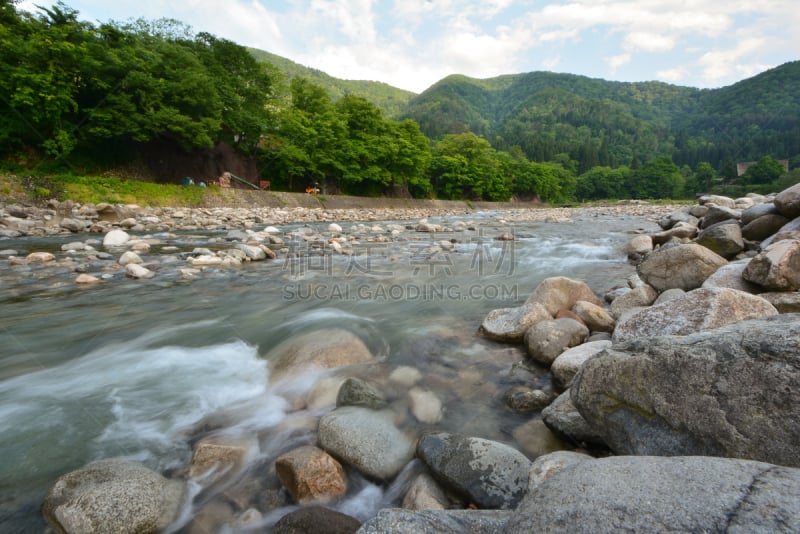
(638,247)
(311,474)
(115,238)
(216,458)
(425,405)
(776,268)
(129,257)
(134,270)
(701,309)
(523,399)
(436,521)
(683,266)
(366,439)
(334,228)
(680,232)
(561,293)
(424,493)
(315,351)
(509,324)
(316,519)
(40,257)
(545,340)
(662,494)
(490,474)
(569,362)
(112,496)
(252,253)
(405,376)
(717,214)
(73,225)
(356,392)
(563,418)
(536,439)
(86,279)
(671,294)
(725,392)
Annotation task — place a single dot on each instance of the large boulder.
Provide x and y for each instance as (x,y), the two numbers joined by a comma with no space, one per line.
(316,351)
(595,317)
(776,268)
(639,296)
(436,521)
(112,496)
(510,324)
(788,202)
(647,494)
(717,214)
(763,227)
(724,238)
(682,266)
(726,392)
(547,339)
(488,473)
(695,311)
(367,440)
(561,293)
(758,210)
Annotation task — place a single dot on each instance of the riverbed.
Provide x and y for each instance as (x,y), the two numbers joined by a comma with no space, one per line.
(142,368)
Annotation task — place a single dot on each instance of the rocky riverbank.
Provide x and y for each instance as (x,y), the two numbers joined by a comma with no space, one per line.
(679,389)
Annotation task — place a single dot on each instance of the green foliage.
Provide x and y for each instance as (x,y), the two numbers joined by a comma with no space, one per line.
(765,171)
(602,183)
(96,189)
(659,178)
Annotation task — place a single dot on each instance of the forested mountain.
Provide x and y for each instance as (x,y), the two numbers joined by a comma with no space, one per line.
(565,117)
(391,100)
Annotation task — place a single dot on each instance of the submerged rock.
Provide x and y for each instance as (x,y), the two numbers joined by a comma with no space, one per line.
(315,351)
(112,496)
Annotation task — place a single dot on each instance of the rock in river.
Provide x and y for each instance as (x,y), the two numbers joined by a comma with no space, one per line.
(728,392)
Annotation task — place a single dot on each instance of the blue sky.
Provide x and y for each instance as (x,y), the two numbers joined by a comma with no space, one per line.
(414,43)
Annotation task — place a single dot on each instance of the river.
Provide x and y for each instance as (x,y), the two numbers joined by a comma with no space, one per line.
(134,368)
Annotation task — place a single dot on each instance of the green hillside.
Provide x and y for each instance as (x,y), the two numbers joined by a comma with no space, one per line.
(391,100)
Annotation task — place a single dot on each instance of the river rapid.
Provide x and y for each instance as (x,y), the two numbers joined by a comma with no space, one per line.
(143,368)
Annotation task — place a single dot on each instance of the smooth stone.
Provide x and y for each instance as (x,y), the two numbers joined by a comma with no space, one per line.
(569,362)
(316,519)
(318,350)
(683,266)
(545,340)
(561,293)
(311,474)
(436,521)
(510,324)
(563,418)
(134,270)
(115,238)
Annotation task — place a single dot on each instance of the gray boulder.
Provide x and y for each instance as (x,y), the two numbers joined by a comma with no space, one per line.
(719,200)
(563,418)
(488,473)
(758,210)
(790,230)
(724,238)
(763,227)
(548,465)
(784,301)
(647,494)
(726,392)
(545,340)
(776,268)
(683,266)
(510,324)
(681,231)
(112,496)
(717,214)
(436,521)
(316,519)
(698,310)
(788,202)
(367,440)
(595,317)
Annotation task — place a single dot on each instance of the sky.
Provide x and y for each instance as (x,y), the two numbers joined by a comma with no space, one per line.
(411,44)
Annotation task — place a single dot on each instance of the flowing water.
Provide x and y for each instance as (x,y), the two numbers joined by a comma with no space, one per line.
(142,369)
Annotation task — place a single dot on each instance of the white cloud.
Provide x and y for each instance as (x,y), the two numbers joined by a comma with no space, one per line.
(673,75)
(616,62)
(648,42)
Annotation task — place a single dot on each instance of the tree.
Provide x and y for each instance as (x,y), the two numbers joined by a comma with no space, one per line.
(765,171)
(659,178)
(603,183)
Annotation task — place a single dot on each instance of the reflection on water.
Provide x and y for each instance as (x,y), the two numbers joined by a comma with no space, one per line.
(142,369)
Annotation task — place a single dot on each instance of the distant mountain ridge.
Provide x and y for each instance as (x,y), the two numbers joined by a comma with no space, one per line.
(591,121)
